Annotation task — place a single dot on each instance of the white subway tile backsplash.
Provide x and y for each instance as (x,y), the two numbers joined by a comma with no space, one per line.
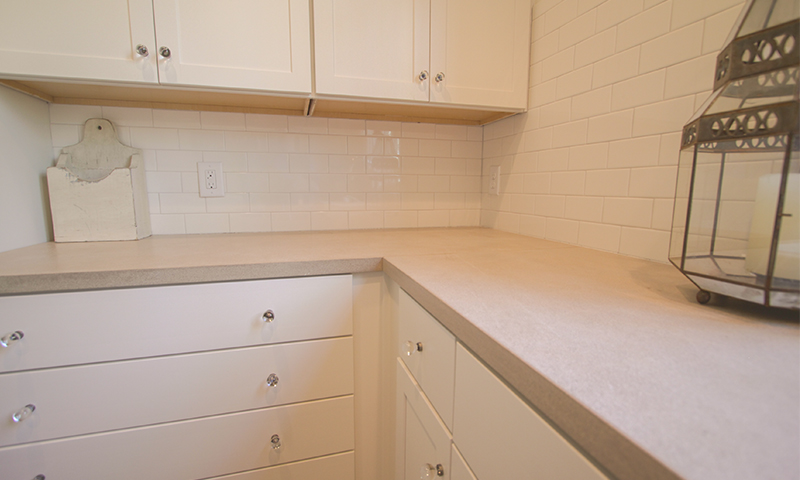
(560,14)
(607,183)
(644,243)
(231,161)
(433,218)
(308,163)
(553,160)
(634,152)
(129,117)
(287,143)
(400,219)
(532,226)
(568,183)
(384,129)
(717,28)
(599,236)
(309,202)
(335,144)
(387,165)
(231,202)
(569,134)
(612,12)
(199,140)
(222,121)
(419,130)
(609,127)
(65,135)
(265,123)
(168,224)
(348,201)
(364,183)
(655,182)
(596,48)
(577,30)
(245,142)
(662,213)
(588,209)
(176,119)
(164,182)
(675,47)
(588,157)
(73,114)
(250,222)
(641,90)
(590,104)
(632,212)
(291,222)
(562,230)
(288,182)
(400,183)
(244,182)
(365,146)
(344,126)
(190,183)
(310,125)
(181,203)
(685,12)
(270,202)
(417,201)
(327,183)
(365,220)
(693,76)
(645,26)
(329,220)
(346,164)
(268,162)
(154,138)
(400,146)
(663,117)
(616,68)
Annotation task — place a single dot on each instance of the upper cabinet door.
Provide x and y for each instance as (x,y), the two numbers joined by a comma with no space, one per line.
(480,52)
(89,40)
(241,44)
(372,48)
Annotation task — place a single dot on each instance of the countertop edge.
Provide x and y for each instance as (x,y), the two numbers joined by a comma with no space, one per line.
(612,452)
(111,279)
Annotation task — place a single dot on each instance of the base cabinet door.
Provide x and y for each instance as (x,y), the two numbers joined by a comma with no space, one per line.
(423,442)
(86,40)
(458,467)
(501,437)
(191,449)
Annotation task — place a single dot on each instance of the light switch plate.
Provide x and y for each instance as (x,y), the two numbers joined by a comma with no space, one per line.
(210,181)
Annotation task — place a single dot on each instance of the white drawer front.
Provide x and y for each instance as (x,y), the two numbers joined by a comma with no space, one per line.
(501,437)
(101,397)
(192,449)
(422,438)
(433,366)
(84,327)
(335,467)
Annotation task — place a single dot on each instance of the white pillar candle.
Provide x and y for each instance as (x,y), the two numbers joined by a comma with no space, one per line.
(787,261)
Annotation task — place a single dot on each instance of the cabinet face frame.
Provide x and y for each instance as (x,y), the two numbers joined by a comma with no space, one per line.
(179,70)
(331,77)
(76,53)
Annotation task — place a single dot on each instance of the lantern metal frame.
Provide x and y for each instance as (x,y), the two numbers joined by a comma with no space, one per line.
(761,65)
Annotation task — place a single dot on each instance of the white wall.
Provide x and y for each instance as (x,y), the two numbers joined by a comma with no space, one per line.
(25,154)
(294,173)
(593,161)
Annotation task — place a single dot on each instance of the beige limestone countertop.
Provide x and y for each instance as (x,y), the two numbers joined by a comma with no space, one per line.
(614,350)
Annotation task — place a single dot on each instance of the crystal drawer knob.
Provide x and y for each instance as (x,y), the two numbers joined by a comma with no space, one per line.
(428,471)
(272,380)
(38,477)
(268,316)
(23,413)
(142,50)
(11,338)
(412,347)
(439,77)
(275,441)
(164,52)
(423,75)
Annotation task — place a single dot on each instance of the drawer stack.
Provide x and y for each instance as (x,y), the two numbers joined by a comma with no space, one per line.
(246,380)
(456,420)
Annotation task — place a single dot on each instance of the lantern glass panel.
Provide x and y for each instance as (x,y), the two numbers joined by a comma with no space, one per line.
(682,190)
(769,88)
(766,14)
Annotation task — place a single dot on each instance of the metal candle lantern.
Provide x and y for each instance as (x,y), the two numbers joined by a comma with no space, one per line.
(735,228)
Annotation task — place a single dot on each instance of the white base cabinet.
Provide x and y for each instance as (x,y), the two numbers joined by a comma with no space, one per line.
(181,382)
(493,434)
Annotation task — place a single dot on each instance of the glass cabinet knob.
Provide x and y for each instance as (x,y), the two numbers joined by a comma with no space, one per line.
(439,77)
(11,338)
(412,347)
(428,471)
(423,75)
(164,52)
(272,380)
(275,441)
(268,316)
(23,413)
(39,477)
(142,50)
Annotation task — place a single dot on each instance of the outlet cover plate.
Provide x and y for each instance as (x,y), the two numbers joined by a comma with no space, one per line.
(210,181)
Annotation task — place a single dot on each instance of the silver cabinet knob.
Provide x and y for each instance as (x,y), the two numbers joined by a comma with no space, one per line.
(164,52)
(272,380)
(412,347)
(142,50)
(268,316)
(275,441)
(439,77)
(11,338)
(39,477)
(23,413)
(423,75)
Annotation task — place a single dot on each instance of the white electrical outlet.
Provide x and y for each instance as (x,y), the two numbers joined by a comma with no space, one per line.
(494,180)
(210,179)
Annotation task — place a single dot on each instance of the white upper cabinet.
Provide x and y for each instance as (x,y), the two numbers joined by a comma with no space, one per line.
(242,44)
(464,52)
(372,48)
(238,44)
(479,52)
(87,40)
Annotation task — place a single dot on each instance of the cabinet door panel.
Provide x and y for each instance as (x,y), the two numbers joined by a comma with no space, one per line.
(481,47)
(243,44)
(501,437)
(82,327)
(89,40)
(335,467)
(110,396)
(371,48)
(422,438)
(191,449)
(434,366)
